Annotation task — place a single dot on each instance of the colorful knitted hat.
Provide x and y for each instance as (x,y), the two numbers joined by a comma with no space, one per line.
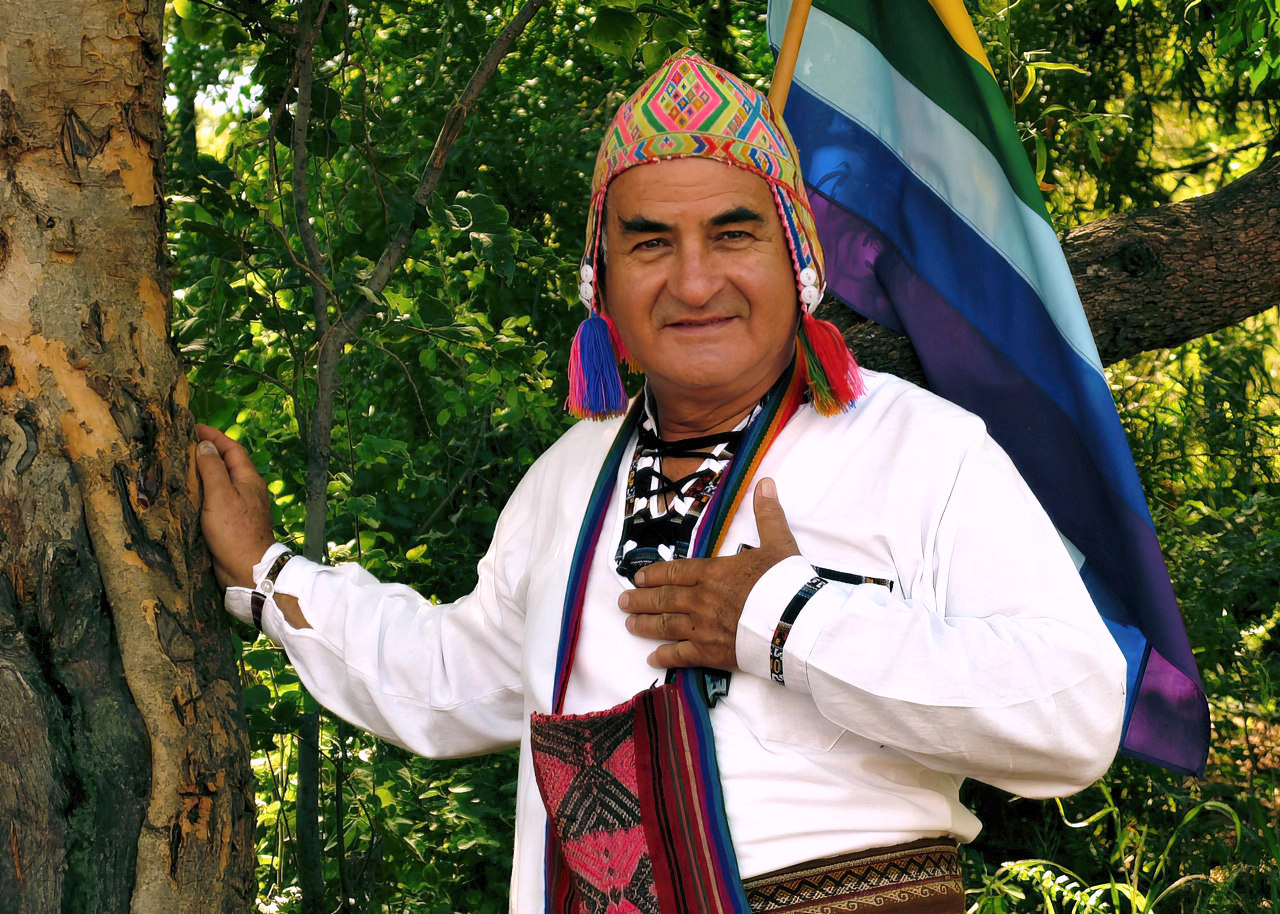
(692,108)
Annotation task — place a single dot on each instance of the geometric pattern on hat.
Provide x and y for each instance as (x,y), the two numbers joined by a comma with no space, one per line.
(692,108)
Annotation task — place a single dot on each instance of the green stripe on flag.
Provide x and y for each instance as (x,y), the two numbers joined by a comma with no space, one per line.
(916,43)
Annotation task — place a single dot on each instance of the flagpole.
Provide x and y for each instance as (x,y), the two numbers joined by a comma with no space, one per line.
(787,54)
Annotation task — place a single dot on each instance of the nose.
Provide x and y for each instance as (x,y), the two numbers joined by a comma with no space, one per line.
(695,276)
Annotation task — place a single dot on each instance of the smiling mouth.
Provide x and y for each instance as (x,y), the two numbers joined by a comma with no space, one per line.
(700,323)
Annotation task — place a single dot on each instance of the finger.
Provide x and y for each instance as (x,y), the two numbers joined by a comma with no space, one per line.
(220,439)
(771,520)
(213,472)
(650,600)
(661,626)
(678,654)
(678,573)
(239,465)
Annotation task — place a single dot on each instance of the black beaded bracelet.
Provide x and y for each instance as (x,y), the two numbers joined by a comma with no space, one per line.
(798,602)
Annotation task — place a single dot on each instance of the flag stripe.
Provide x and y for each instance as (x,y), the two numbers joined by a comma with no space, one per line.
(955,18)
(912,38)
(849,75)
(1003,308)
(964,366)
(968,368)
(933,225)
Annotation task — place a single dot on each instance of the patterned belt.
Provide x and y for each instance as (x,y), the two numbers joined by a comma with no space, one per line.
(922,877)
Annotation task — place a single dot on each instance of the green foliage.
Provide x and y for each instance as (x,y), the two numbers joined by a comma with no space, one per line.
(1131,104)
(1141,864)
(454,384)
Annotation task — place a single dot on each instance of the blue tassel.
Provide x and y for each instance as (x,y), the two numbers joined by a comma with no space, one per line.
(595,387)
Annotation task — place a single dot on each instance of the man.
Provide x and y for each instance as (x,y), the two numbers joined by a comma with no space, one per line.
(910,620)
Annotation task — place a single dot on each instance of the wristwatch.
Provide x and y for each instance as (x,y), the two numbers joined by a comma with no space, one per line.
(265,589)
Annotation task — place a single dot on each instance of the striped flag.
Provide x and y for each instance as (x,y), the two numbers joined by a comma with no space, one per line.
(933,225)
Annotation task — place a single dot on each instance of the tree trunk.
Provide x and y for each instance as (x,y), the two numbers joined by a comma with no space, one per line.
(1150,279)
(125,785)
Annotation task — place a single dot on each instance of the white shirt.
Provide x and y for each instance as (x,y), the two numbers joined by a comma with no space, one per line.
(987,658)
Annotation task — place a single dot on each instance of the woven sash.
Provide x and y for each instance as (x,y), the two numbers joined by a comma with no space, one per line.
(636,818)
(921,877)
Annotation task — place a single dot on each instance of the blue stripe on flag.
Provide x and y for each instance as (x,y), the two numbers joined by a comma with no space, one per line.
(957,262)
(847,74)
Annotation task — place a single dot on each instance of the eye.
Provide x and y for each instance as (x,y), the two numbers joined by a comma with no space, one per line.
(650,244)
(735,235)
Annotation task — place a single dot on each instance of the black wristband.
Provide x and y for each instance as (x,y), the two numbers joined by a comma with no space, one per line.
(266,587)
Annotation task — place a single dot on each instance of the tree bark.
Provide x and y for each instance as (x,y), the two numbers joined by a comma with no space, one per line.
(1151,279)
(126,784)
(1163,276)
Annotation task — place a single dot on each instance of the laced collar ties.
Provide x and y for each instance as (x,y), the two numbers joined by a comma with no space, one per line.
(661,512)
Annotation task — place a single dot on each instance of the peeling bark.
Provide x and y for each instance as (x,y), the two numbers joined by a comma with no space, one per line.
(127,785)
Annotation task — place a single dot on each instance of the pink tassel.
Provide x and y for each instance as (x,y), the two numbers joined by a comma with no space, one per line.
(834,380)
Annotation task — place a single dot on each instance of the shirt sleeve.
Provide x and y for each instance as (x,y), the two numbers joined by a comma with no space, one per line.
(997,666)
(442,680)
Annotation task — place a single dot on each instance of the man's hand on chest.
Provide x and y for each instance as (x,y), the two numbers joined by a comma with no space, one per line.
(695,604)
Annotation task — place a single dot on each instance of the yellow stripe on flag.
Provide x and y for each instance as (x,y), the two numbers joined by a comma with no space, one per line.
(956,18)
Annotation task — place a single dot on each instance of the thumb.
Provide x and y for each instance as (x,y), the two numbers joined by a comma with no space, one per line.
(771,521)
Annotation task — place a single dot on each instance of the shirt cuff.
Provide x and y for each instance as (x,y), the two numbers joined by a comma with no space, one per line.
(239,600)
(764,609)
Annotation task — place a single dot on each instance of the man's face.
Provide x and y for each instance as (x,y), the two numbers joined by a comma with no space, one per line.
(699,280)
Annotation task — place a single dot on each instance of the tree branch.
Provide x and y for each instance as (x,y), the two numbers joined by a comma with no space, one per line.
(1163,276)
(434,171)
(305,69)
(320,439)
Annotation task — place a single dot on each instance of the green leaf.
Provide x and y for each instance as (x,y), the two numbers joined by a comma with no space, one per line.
(673,30)
(262,659)
(184,8)
(1031,84)
(256,696)
(653,54)
(232,36)
(486,215)
(616,32)
(1259,74)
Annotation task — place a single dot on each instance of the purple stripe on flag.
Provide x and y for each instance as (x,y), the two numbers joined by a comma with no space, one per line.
(1182,742)
(1157,727)
(965,367)
(1121,546)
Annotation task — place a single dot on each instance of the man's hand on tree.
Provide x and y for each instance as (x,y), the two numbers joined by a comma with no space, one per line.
(236,513)
(695,604)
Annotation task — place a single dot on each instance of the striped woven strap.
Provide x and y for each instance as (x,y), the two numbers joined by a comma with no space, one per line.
(633,796)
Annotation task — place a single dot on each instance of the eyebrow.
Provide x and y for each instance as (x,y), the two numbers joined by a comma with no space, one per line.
(642,225)
(736,215)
